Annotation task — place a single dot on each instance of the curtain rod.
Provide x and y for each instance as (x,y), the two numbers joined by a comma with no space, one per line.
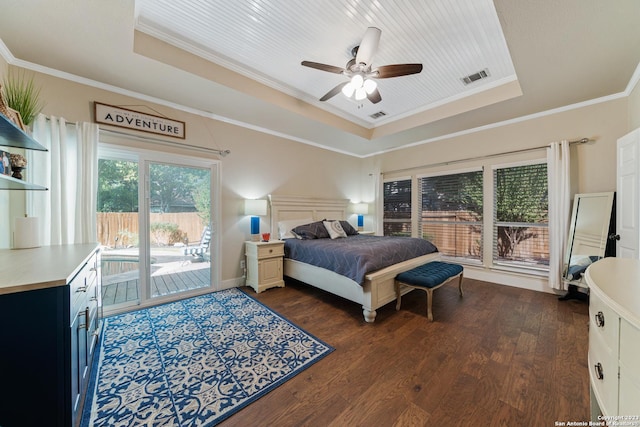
(222,153)
(488,156)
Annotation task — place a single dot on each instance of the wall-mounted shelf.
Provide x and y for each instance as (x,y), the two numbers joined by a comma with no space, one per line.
(12,136)
(10,183)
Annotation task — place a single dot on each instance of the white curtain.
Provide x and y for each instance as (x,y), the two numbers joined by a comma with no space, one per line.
(379,224)
(558,167)
(67,211)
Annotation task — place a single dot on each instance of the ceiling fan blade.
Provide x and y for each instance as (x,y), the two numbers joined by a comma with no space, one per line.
(369,46)
(333,92)
(323,67)
(374,96)
(397,70)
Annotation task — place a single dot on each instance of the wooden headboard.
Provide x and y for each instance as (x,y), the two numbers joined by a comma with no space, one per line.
(292,207)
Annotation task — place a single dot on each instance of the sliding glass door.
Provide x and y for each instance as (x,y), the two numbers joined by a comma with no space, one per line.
(156,225)
(179,214)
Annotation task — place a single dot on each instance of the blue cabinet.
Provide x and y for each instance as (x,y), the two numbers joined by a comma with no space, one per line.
(47,338)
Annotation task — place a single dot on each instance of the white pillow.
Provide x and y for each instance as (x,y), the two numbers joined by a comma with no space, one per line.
(335,229)
(285,227)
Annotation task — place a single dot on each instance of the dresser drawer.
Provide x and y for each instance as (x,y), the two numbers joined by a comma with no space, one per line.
(603,323)
(603,371)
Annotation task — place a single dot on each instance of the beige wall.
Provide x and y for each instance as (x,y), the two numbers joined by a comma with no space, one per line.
(259,164)
(604,122)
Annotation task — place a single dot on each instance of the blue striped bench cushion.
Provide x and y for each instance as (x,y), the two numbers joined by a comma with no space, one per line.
(429,275)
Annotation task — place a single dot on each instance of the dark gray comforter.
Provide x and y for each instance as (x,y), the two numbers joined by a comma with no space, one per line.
(356,256)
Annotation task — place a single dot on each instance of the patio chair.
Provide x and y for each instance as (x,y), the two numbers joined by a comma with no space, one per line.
(201,250)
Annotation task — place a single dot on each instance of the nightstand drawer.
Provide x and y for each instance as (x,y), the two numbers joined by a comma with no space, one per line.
(268,251)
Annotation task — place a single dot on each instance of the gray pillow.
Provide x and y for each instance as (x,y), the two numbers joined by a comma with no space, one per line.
(314,230)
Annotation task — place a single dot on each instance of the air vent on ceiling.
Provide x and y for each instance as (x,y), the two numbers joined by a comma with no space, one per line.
(378,115)
(476,76)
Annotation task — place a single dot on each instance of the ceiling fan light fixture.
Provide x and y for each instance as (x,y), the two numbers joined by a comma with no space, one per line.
(369,86)
(360,72)
(348,90)
(357,81)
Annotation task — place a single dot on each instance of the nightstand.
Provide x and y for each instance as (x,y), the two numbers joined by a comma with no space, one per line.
(264,264)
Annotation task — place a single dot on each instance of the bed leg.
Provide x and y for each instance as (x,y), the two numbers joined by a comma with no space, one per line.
(460,285)
(369,315)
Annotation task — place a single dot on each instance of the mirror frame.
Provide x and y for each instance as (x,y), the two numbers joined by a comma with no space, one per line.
(605,244)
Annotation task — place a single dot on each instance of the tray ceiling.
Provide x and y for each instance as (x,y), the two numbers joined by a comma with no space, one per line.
(239,62)
(267,40)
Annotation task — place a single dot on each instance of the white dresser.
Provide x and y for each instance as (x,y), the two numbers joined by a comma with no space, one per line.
(614,340)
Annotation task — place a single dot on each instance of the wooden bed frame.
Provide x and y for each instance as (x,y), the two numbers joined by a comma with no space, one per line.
(378,288)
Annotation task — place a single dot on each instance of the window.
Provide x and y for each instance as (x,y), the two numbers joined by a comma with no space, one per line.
(450,213)
(521,218)
(397,208)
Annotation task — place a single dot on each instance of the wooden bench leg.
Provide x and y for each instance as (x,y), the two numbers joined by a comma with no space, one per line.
(429,292)
(429,302)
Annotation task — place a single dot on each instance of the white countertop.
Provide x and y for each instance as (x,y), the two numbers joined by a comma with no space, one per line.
(40,268)
(617,282)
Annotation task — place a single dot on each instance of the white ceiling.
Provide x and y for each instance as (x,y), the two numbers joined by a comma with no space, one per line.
(541,55)
(267,40)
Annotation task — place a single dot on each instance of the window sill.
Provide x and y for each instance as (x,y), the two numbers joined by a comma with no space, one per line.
(526,271)
(529,271)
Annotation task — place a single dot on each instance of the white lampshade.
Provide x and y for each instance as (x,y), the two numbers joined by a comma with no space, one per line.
(361,208)
(369,86)
(357,81)
(255,207)
(348,89)
(360,94)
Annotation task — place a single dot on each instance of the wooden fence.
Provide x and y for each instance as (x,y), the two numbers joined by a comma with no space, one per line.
(453,234)
(120,229)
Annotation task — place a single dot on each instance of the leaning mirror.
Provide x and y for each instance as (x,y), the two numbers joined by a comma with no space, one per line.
(591,225)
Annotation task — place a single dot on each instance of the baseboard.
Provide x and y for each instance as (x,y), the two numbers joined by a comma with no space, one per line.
(507,278)
(231,283)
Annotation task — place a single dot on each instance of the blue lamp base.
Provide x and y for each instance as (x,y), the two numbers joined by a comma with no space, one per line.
(255,228)
(360,222)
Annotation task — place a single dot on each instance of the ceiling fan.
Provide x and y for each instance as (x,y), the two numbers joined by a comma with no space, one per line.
(361,82)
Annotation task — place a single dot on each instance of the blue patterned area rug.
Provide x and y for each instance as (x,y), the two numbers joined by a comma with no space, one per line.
(194,362)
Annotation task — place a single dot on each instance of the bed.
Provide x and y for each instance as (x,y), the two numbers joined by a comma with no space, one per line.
(376,287)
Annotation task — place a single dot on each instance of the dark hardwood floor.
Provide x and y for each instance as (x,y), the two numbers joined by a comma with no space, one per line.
(499,356)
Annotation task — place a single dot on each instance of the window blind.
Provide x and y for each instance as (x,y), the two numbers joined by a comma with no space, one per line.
(397,207)
(521,217)
(451,213)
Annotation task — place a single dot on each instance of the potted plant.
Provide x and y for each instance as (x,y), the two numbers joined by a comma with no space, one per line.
(23,96)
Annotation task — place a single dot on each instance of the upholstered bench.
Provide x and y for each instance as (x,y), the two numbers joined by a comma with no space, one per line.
(428,277)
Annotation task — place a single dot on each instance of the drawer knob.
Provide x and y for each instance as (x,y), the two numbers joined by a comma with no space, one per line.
(600,319)
(599,373)
(270,250)
(82,289)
